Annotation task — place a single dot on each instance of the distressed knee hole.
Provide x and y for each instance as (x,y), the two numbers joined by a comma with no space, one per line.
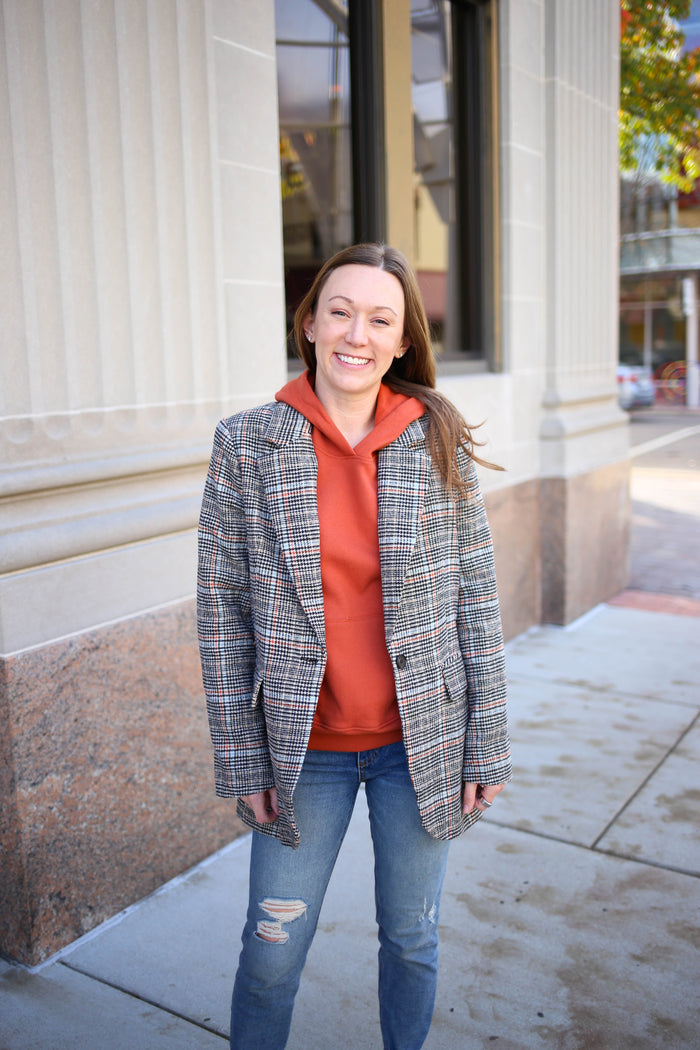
(430,914)
(280,911)
(271,932)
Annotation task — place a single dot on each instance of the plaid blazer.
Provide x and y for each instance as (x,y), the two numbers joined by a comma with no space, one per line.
(261,619)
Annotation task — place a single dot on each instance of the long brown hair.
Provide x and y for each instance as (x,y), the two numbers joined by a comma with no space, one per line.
(413,373)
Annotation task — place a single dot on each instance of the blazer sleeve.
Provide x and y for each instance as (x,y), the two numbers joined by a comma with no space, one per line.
(226,630)
(487,748)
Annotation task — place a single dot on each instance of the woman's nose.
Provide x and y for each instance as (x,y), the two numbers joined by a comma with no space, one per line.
(357,333)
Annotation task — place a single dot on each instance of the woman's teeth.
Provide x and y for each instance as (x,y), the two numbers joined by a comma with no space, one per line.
(352,360)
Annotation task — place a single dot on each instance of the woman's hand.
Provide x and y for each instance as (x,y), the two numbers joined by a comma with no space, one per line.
(264,805)
(479,796)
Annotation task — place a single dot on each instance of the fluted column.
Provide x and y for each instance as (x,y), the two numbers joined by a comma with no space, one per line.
(581,427)
(141,299)
(141,261)
(583,433)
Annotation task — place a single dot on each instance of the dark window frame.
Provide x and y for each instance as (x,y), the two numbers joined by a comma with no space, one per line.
(473,207)
(475,124)
(367,120)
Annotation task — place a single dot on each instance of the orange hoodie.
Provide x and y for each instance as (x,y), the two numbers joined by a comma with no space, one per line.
(357,708)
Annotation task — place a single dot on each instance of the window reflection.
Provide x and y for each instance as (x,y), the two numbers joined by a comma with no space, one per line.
(455,191)
(434,211)
(454,182)
(313,77)
(653,330)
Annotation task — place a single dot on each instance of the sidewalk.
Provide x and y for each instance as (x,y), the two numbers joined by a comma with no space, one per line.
(665,540)
(570,918)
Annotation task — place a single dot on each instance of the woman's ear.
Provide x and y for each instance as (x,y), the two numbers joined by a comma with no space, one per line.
(309,327)
(403,347)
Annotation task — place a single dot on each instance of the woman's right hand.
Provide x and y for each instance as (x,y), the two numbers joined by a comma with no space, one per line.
(264,805)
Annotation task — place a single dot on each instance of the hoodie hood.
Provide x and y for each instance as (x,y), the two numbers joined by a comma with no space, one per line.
(393,414)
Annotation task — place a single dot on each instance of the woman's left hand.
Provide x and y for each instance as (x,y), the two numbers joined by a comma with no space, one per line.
(479,796)
(264,805)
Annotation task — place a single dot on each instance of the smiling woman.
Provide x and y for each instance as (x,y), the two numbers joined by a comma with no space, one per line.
(410,372)
(357,331)
(350,633)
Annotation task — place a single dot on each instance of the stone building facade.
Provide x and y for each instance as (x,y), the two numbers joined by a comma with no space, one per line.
(143,298)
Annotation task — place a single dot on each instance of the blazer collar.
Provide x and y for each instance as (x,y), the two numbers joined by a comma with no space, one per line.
(413,436)
(403,476)
(287,425)
(289,472)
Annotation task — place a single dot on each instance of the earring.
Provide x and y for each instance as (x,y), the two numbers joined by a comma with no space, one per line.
(309,337)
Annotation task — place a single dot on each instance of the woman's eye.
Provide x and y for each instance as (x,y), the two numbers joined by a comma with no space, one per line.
(381,321)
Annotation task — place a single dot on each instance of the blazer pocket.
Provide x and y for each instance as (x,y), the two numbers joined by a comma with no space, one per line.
(256,696)
(455,678)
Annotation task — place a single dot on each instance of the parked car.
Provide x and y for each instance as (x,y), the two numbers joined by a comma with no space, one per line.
(635,387)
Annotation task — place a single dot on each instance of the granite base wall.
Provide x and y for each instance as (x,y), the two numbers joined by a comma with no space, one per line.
(561,545)
(106,775)
(514,517)
(106,778)
(584,540)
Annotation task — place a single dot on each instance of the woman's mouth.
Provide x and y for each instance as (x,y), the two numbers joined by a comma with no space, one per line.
(356,362)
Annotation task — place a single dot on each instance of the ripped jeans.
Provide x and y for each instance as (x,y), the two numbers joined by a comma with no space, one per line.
(287,887)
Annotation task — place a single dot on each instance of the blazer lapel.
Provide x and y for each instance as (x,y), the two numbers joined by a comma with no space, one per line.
(289,475)
(403,472)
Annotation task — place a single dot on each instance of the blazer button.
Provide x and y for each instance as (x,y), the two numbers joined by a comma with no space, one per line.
(401,661)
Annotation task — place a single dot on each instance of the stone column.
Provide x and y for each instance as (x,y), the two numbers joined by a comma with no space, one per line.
(142,275)
(583,434)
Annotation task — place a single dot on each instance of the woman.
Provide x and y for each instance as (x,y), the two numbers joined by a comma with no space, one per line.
(350,633)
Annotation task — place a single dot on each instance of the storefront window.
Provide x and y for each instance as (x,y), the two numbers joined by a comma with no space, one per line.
(434,160)
(653,331)
(313,75)
(332,153)
(453,173)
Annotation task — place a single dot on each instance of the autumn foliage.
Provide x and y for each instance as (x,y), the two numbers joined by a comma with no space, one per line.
(659,93)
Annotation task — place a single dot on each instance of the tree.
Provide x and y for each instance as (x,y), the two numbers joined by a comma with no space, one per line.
(659,94)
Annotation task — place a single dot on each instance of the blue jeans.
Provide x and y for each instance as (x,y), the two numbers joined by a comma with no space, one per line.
(287,888)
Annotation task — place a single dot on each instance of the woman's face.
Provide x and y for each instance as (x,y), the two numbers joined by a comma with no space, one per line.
(357,330)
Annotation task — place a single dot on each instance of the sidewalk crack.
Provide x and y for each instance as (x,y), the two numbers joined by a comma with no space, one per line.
(635,794)
(144,999)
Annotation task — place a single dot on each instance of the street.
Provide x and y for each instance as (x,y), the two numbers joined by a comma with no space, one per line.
(665,490)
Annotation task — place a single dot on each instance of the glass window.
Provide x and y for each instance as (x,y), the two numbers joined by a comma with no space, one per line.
(653,328)
(313,77)
(433,139)
(453,111)
(328,203)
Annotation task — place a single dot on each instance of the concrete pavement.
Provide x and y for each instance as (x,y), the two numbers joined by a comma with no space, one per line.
(665,539)
(570,916)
